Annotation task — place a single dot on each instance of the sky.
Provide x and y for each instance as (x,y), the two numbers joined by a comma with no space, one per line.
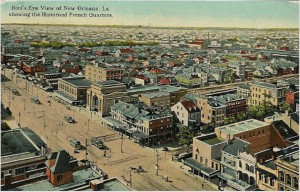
(244,14)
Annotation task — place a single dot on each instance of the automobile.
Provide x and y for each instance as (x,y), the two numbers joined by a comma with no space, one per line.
(97,143)
(69,119)
(183,156)
(75,143)
(165,149)
(35,100)
(48,88)
(15,92)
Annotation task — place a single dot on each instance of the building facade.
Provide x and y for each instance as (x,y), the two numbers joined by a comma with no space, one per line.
(158,100)
(73,89)
(104,94)
(103,72)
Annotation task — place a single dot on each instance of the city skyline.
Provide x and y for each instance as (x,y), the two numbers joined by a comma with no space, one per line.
(235,14)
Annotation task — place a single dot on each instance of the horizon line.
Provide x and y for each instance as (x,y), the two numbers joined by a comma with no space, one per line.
(147,26)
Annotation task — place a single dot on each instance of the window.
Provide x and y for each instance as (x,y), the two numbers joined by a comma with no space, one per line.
(295,182)
(266,179)
(196,156)
(240,164)
(217,167)
(206,161)
(2,174)
(59,177)
(20,171)
(201,159)
(272,182)
(260,177)
(212,164)
(288,179)
(247,167)
(281,176)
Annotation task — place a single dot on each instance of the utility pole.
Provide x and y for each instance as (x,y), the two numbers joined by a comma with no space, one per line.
(130,179)
(19,119)
(122,143)
(9,98)
(44,120)
(86,152)
(157,166)
(88,125)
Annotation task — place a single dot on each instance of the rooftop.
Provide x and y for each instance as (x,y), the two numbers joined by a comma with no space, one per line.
(20,141)
(79,177)
(242,126)
(79,82)
(156,94)
(213,141)
(108,83)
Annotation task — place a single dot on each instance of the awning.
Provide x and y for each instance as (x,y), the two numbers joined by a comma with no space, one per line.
(113,122)
(64,97)
(209,172)
(140,135)
(235,183)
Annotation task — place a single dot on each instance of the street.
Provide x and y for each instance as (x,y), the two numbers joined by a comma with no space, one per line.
(47,120)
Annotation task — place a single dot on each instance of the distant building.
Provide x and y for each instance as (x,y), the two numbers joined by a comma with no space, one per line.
(103,72)
(16,48)
(157,100)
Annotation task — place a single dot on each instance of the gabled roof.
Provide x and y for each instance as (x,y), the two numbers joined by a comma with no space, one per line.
(235,145)
(190,106)
(62,163)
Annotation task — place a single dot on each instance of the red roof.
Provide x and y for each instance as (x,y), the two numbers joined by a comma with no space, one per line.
(141,77)
(165,81)
(190,106)
(127,50)
(156,71)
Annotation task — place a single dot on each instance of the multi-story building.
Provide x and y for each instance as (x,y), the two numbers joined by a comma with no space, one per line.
(233,103)
(146,126)
(262,92)
(103,72)
(16,48)
(288,172)
(157,100)
(187,113)
(205,161)
(243,91)
(23,155)
(73,89)
(102,95)
(211,110)
(176,93)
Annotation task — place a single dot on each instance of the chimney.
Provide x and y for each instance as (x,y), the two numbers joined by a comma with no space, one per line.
(96,185)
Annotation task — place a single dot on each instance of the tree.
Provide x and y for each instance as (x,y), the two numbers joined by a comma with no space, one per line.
(185,136)
(284,106)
